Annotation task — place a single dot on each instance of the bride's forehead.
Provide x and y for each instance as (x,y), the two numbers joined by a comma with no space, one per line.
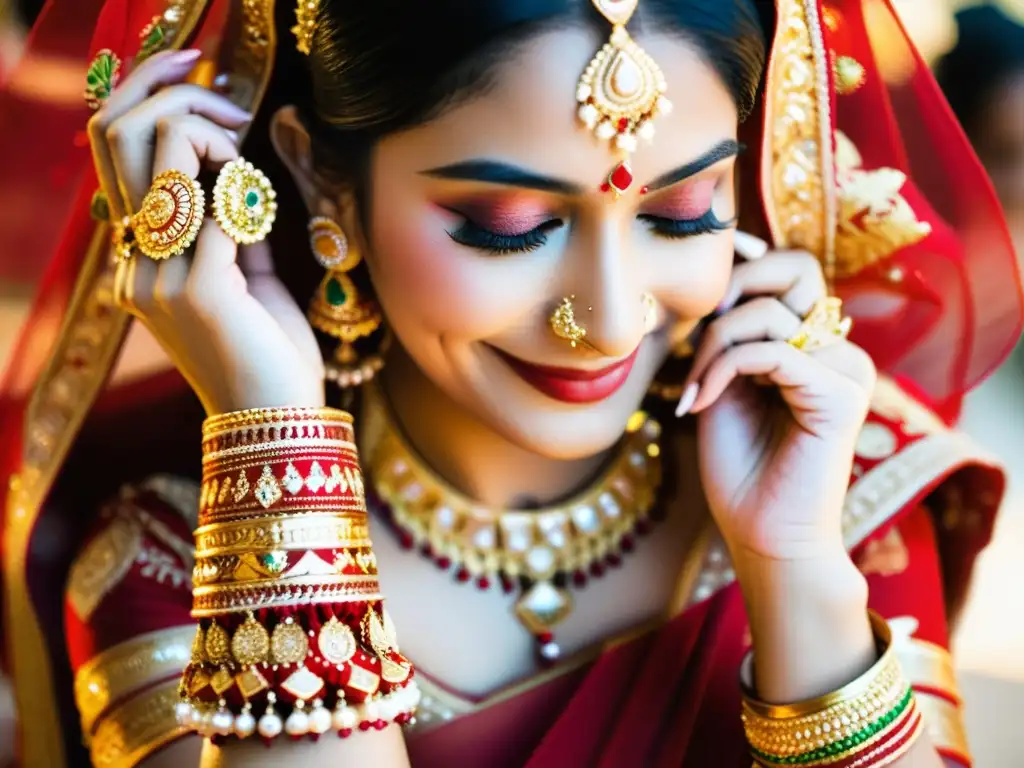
(528,111)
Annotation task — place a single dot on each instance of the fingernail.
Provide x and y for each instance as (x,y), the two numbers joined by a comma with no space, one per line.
(189,54)
(748,246)
(688,399)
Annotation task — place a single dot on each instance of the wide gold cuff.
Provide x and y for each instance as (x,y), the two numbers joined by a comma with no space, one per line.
(119,671)
(137,728)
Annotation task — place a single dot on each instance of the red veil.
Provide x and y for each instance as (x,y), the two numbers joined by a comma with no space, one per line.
(855,157)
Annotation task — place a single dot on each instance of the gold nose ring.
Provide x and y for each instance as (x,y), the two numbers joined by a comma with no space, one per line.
(563,323)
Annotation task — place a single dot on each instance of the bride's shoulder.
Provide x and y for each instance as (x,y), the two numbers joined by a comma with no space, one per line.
(906,455)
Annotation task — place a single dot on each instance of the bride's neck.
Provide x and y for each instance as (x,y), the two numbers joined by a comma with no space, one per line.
(466,453)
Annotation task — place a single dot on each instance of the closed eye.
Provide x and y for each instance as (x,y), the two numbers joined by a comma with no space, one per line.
(473,235)
(676,229)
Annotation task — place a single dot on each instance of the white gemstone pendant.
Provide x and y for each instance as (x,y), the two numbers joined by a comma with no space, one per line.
(543,606)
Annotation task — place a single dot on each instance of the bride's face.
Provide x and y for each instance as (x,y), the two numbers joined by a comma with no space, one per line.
(484,219)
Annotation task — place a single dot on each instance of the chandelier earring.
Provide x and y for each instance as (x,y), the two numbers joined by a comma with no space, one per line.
(340,310)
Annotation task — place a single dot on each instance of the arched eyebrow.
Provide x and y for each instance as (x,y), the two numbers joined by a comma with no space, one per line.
(718,153)
(497,172)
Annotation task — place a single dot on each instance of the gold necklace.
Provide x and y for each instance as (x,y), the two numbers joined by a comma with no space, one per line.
(540,551)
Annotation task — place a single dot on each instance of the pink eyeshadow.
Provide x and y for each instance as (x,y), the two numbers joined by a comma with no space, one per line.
(508,215)
(690,201)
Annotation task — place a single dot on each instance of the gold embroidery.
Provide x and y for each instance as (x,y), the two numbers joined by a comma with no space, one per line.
(181,494)
(944,724)
(887,556)
(162,568)
(126,667)
(890,401)
(103,564)
(137,728)
(162,533)
(875,220)
(925,664)
(798,201)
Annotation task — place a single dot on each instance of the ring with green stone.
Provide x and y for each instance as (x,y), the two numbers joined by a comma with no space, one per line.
(244,202)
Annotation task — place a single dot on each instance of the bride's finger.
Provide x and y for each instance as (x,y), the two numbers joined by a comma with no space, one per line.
(214,272)
(777,361)
(161,69)
(803,381)
(131,137)
(187,143)
(170,281)
(795,277)
(761,319)
(851,361)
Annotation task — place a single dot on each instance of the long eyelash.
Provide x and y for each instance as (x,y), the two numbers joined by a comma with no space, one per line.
(474,236)
(680,228)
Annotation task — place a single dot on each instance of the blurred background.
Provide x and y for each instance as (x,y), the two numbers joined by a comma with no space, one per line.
(978,51)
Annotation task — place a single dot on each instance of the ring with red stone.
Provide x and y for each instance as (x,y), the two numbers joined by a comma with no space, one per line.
(171,214)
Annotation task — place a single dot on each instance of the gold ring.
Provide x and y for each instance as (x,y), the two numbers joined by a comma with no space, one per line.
(824,325)
(123,239)
(170,217)
(244,202)
(563,323)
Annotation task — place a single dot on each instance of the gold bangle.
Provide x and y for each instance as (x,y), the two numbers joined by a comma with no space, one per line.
(235,598)
(262,416)
(137,728)
(283,532)
(271,568)
(849,692)
(118,671)
(873,701)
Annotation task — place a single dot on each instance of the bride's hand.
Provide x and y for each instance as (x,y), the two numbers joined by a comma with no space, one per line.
(219,311)
(777,426)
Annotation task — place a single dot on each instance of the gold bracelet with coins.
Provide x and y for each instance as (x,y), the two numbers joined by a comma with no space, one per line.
(293,637)
(873,719)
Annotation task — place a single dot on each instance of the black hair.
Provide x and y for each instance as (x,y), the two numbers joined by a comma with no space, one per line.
(383,66)
(989,51)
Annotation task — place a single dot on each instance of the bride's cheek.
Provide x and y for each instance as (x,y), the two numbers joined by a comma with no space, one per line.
(426,282)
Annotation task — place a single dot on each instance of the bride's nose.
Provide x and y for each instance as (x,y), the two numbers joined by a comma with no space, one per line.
(609,286)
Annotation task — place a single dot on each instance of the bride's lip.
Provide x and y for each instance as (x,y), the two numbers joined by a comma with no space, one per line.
(573,385)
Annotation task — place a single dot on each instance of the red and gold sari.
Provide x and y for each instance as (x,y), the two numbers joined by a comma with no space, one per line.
(868,172)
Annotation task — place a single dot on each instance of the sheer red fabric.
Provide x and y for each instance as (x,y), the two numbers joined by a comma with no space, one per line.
(942,312)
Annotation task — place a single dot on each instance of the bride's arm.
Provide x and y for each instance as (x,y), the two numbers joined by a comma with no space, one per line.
(293,641)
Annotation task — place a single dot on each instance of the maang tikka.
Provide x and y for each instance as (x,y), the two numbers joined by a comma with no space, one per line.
(620,93)
(338,309)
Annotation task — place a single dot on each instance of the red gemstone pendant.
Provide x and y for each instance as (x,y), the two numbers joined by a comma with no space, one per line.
(620,179)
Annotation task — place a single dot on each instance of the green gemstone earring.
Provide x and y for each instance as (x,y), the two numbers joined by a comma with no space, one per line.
(339,310)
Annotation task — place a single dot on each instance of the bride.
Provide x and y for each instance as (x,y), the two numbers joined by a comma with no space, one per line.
(636,495)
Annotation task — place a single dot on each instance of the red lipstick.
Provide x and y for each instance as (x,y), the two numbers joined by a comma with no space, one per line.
(573,385)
